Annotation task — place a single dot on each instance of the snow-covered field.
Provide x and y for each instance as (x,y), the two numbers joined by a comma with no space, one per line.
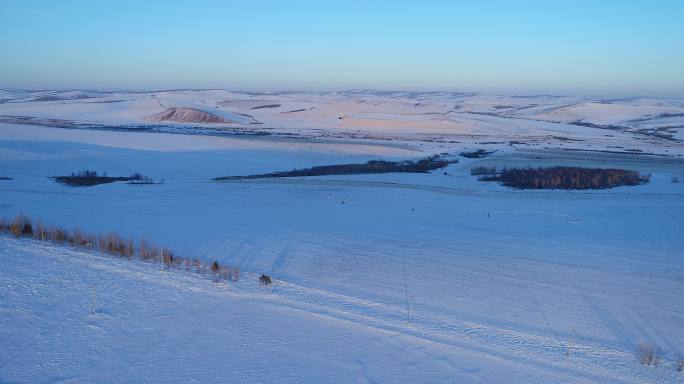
(379,278)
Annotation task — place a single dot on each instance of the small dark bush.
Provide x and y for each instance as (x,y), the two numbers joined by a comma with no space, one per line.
(168,258)
(58,235)
(265,279)
(78,238)
(648,355)
(27,230)
(679,365)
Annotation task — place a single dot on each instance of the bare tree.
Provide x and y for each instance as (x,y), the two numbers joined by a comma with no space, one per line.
(144,250)
(21,226)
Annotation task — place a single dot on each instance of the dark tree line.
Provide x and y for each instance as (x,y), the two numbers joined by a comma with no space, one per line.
(374,166)
(479,171)
(90,178)
(480,153)
(563,177)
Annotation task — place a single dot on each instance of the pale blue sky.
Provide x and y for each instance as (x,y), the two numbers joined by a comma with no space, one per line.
(601,47)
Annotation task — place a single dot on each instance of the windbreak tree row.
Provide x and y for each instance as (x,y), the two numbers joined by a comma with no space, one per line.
(113,244)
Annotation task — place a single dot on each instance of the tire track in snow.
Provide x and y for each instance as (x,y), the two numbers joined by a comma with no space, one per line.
(281,260)
(540,352)
(610,321)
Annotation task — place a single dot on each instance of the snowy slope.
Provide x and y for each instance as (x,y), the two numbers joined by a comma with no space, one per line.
(379,278)
(75,317)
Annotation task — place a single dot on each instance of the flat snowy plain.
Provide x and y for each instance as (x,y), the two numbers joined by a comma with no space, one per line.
(416,278)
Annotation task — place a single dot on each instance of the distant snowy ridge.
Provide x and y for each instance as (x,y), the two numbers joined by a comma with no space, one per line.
(648,124)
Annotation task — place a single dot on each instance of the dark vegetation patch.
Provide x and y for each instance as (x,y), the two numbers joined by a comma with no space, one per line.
(527,107)
(265,280)
(89,178)
(374,166)
(648,354)
(648,132)
(115,245)
(625,152)
(267,106)
(245,115)
(659,116)
(599,126)
(57,123)
(106,101)
(563,138)
(194,130)
(138,179)
(480,153)
(560,177)
(665,133)
(297,110)
(479,171)
(58,98)
(503,106)
(483,113)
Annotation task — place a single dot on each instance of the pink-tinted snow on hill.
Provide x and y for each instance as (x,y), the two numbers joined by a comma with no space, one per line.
(188,115)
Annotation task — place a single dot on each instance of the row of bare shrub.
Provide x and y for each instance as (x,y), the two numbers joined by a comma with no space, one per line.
(649,355)
(113,244)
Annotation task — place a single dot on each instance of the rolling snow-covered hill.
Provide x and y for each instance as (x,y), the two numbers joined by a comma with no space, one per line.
(436,116)
(420,278)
